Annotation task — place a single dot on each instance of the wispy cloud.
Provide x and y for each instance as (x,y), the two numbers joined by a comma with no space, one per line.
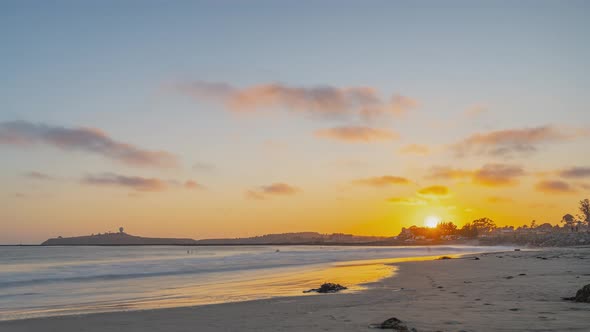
(382,181)
(554,187)
(191,184)
(397,105)
(575,172)
(417,149)
(38,176)
(83,139)
(488,175)
(364,102)
(515,141)
(357,134)
(498,175)
(449,173)
(133,182)
(436,191)
(274,189)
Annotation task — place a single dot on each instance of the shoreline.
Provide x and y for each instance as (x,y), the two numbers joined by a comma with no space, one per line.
(508,291)
(279,282)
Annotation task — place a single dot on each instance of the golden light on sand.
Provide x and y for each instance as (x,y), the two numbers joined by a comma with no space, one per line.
(431,221)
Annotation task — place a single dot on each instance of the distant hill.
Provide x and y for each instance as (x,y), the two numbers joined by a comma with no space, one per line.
(297,238)
(118,239)
(114,239)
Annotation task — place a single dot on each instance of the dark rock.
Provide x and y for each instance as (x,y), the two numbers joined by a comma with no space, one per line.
(583,295)
(508,277)
(444,257)
(393,323)
(327,288)
(517,249)
(475,258)
(522,274)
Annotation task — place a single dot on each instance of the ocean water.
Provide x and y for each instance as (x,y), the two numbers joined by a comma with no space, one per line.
(50,281)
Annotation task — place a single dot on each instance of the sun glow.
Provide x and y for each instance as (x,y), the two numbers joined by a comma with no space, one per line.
(431,221)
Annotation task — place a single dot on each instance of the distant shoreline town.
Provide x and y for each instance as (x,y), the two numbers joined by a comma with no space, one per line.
(574,231)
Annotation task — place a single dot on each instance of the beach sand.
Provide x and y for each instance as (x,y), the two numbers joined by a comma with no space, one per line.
(511,291)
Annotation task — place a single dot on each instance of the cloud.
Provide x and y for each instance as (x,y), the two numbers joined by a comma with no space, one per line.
(253,194)
(365,102)
(133,182)
(38,176)
(448,173)
(382,181)
(488,175)
(554,187)
(357,134)
(275,189)
(190,184)
(397,105)
(575,172)
(434,191)
(515,141)
(417,149)
(499,199)
(279,189)
(83,139)
(407,201)
(498,175)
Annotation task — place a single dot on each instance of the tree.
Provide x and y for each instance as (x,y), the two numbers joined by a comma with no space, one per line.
(567,219)
(468,231)
(484,225)
(585,210)
(533,224)
(446,228)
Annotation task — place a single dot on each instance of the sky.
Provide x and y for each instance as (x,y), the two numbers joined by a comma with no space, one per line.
(209,119)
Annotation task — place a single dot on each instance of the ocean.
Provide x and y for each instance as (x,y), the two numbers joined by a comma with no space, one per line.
(49,281)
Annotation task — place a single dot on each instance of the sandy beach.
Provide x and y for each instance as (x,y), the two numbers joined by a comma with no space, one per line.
(511,291)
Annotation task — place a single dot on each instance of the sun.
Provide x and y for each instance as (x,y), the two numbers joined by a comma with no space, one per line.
(431,221)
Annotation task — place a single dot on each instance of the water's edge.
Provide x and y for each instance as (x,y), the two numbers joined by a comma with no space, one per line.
(286,281)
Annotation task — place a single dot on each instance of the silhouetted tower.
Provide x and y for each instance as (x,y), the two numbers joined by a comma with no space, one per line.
(121,229)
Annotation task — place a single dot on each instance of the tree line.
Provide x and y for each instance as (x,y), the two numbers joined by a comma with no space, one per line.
(485,225)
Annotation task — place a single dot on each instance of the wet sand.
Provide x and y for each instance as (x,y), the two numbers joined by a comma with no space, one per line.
(511,291)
